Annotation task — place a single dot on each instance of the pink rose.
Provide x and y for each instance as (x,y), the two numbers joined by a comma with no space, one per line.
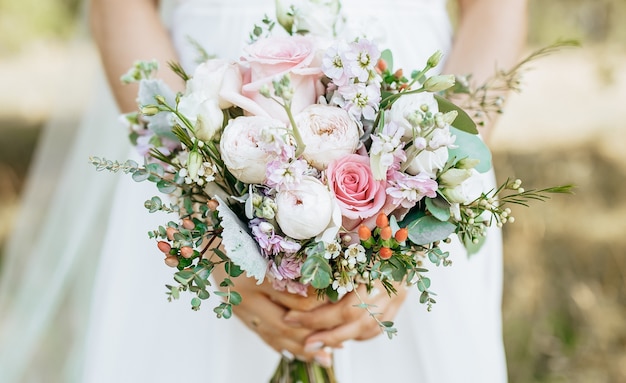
(271,58)
(358,194)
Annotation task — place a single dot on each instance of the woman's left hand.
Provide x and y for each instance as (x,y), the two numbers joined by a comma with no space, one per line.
(344,320)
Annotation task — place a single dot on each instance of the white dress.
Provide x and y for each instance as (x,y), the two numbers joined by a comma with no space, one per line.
(135,335)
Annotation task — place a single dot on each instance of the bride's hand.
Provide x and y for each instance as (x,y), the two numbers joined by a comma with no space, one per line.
(263,308)
(343,320)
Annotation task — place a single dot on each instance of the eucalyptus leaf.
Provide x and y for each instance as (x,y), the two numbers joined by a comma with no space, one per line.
(140,175)
(439,208)
(471,146)
(184,277)
(166,187)
(429,229)
(196,302)
(463,121)
(235,298)
(203,294)
(316,271)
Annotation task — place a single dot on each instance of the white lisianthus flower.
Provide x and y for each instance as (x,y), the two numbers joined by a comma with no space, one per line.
(317,17)
(305,211)
(203,113)
(428,162)
(328,132)
(467,191)
(208,80)
(406,110)
(240,149)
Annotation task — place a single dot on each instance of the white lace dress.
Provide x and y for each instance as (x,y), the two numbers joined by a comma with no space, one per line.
(135,335)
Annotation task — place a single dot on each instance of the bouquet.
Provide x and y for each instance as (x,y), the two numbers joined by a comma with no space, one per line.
(316,165)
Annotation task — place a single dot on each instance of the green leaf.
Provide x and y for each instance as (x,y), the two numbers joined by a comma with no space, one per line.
(156,172)
(184,277)
(232,269)
(235,298)
(463,121)
(439,208)
(196,302)
(166,187)
(429,229)
(473,248)
(203,294)
(140,175)
(387,56)
(224,310)
(316,271)
(471,146)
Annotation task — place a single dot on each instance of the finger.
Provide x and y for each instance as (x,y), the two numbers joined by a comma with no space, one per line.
(358,330)
(297,302)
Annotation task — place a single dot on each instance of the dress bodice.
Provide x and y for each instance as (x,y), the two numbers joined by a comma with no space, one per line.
(412,29)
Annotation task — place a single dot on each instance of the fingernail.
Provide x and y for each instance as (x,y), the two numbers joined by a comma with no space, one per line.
(291,321)
(324,360)
(313,346)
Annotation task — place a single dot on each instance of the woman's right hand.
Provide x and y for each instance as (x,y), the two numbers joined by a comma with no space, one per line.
(263,308)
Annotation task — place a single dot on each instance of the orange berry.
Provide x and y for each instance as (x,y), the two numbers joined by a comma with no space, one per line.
(186,252)
(188,224)
(364,233)
(385,233)
(169,232)
(164,246)
(381,65)
(171,261)
(382,220)
(385,253)
(402,234)
(399,73)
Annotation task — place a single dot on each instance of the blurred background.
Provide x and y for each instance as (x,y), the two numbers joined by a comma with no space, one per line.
(565,260)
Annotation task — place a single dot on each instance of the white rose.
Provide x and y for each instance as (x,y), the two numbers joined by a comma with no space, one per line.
(404,108)
(429,162)
(203,113)
(328,132)
(208,81)
(318,17)
(467,191)
(240,150)
(306,210)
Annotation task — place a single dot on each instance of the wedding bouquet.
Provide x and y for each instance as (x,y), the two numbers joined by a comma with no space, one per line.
(315,164)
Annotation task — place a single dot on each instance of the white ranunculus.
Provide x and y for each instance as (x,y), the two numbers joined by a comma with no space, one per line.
(318,17)
(467,191)
(240,150)
(328,132)
(203,113)
(306,210)
(428,162)
(404,108)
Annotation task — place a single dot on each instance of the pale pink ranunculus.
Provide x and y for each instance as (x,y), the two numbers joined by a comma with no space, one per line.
(271,58)
(328,132)
(358,194)
(240,149)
